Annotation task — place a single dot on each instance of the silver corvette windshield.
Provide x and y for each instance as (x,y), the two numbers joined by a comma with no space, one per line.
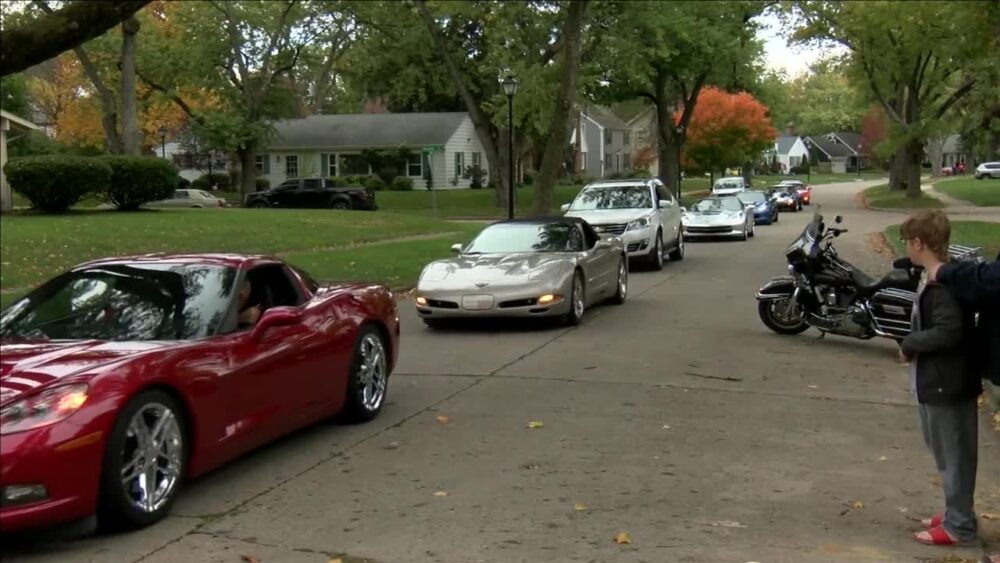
(718,205)
(507,238)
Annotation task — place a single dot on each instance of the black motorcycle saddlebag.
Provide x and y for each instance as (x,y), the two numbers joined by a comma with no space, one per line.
(891,311)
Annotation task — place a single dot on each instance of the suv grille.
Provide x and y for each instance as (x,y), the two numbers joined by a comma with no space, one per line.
(611,228)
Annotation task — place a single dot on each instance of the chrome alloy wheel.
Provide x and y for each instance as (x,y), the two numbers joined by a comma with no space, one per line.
(151,457)
(372,373)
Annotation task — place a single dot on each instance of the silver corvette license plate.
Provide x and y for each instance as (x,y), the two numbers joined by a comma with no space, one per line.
(477,302)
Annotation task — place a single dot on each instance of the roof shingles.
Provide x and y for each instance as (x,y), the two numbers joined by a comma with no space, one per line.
(363,130)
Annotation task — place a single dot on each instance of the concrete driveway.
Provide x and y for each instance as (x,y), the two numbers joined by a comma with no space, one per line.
(677,418)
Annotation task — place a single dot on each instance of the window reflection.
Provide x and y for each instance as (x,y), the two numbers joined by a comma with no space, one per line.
(619,197)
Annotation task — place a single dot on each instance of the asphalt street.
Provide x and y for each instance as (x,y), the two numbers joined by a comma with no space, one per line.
(677,418)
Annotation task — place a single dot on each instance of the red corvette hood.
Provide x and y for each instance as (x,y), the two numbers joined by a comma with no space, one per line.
(24,367)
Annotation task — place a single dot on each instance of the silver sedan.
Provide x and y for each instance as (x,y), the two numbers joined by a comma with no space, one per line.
(551,267)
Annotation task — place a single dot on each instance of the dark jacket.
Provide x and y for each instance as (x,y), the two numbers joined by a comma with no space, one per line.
(944,375)
(977,287)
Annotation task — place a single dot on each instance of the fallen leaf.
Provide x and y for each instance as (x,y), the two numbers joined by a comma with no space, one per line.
(580,507)
(392,445)
(856,504)
(441,493)
(883,458)
(336,560)
(443,419)
(666,427)
(989,516)
(813,386)
(535,424)
(727,524)
(249,558)
(623,538)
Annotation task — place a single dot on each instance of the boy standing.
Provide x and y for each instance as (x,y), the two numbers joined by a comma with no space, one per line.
(945,385)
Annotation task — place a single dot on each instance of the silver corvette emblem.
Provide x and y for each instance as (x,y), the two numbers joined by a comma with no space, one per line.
(482,284)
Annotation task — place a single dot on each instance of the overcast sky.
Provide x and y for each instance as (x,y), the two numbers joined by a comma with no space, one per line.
(794,60)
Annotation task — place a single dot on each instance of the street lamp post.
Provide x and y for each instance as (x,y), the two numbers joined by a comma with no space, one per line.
(510,88)
(858,163)
(680,131)
(163,142)
(809,163)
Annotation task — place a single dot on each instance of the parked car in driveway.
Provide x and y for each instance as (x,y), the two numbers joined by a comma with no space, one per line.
(124,377)
(541,267)
(729,186)
(988,170)
(195,199)
(313,193)
(719,217)
(765,209)
(642,212)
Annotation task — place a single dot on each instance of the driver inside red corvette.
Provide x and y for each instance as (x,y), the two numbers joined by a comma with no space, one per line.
(249,313)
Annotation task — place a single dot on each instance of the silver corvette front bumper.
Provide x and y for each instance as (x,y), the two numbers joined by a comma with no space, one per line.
(507,303)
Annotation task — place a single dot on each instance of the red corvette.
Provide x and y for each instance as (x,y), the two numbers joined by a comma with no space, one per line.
(123,377)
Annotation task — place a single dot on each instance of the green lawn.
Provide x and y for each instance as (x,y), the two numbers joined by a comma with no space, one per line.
(479,203)
(35,247)
(968,233)
(976,192)
(880,197)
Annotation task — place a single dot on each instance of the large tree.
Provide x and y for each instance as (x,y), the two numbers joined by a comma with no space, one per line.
(667,53)
(727,130)
(916,67)
(825,100)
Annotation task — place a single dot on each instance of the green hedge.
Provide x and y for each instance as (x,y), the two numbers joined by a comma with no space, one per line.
(401,184)
(136,180)
(375,183)
(54,183)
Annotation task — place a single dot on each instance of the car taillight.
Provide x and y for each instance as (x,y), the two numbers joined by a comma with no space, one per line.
(363,194)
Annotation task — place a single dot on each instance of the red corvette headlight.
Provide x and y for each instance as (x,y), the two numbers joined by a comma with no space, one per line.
(44,408)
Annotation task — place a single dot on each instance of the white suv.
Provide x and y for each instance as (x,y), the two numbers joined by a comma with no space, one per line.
(643,213)
(729,186)
(988,170)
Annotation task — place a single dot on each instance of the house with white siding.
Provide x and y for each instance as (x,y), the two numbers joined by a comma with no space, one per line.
(601,143)
(443,144)
(790,151)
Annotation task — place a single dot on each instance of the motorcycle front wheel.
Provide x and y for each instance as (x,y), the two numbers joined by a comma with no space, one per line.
(779,317)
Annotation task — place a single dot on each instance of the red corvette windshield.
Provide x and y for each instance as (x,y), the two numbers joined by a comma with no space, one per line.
(124,303)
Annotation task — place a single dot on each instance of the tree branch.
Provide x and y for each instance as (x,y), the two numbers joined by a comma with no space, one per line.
(877,92)
(51,34)
(173,97)
(956,95)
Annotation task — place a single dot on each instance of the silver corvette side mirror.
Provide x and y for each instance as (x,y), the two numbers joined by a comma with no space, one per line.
(684,209)
(564,207)
(456,248)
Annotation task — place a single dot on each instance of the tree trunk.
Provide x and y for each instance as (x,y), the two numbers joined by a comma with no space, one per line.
(499,165)
(914,156)
(247,155)
(897,170)
(935,149)
(555,147)
(670,165)
(131,135)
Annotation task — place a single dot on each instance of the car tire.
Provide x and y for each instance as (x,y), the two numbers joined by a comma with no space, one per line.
(258,205)
(745,234)
(677,254)
(340,205)
(655,259)
(368,377)
(118,507)
(753,232)
(621,289)
(776,215)
(434,324)
(578,301)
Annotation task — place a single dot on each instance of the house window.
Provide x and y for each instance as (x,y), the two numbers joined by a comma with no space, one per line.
(794,160)
(331,165)
(292,166)
(628,162)
(354,165)
(607,136)
(258,163)
(583,161)
(618,163)
(625,138)
(459,164)
(415,166)
(477,160)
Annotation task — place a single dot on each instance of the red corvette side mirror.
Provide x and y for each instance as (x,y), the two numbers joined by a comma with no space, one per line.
(275,317)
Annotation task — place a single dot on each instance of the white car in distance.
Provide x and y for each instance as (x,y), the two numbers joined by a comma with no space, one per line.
(642,212)
(729,186)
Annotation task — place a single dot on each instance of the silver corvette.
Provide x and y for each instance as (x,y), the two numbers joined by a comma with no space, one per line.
(549,267)
(719,217)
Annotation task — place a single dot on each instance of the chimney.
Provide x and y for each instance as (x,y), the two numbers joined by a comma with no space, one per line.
(790,129)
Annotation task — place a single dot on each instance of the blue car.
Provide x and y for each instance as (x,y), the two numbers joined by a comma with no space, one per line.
(765,209)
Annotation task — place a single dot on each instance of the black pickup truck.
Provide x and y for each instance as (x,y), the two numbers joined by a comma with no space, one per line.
(312,193)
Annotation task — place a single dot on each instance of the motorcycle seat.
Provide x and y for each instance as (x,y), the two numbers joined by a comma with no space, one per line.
(862,279)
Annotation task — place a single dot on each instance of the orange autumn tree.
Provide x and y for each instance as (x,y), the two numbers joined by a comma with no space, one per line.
(726,130)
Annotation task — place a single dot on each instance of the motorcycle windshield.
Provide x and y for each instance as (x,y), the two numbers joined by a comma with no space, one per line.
(810,236)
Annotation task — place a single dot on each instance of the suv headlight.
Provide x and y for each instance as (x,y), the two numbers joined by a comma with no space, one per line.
(638,224)
(41,409)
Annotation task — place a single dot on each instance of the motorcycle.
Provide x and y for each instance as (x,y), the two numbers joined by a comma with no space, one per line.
(826,292)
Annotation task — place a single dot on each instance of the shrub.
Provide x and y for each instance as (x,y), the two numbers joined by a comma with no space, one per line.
(401,184)
(55,183)
(477,175)
(205,182)
(183,183)
(136,180)
(374,183)
(529,177)
(336,181)
(263,184)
